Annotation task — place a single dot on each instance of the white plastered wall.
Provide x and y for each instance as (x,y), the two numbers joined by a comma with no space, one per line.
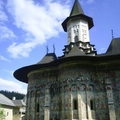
(78,28)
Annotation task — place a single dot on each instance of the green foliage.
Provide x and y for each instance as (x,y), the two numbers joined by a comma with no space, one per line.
(2,114)
(12,94)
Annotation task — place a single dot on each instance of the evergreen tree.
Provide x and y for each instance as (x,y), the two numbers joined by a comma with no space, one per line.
(12,94)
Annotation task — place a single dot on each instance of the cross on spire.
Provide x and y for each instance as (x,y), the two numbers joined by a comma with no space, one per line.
(112,34)
(47,50)
(53,48)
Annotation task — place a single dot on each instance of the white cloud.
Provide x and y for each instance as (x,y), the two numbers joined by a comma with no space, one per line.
(38,22)
(22,49)
(3,16)
(4,59)
(11,86)
(6,33)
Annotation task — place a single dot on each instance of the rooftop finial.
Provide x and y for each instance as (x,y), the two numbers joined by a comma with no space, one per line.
(47,50)
(53,48)
(112,34)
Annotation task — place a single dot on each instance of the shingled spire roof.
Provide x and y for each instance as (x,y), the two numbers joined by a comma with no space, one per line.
(48,58)
(77,13)
(114,47)
(75,51)
(76,9)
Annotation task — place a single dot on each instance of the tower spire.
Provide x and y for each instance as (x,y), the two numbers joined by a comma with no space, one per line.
(76,9)
(77,13)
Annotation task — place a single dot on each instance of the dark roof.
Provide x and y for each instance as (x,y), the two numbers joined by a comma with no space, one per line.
(77,13)
(5,101)
(48,58)
(76,9)
(79,16)
(22,73)
(75,51)
(114,47)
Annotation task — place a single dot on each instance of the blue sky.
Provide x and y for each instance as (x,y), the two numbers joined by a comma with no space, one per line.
(28,26)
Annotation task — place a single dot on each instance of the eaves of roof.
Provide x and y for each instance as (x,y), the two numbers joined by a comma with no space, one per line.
(80,16)
(21,74)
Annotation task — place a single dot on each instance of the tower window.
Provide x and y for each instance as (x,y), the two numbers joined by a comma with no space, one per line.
(76,38)
(92,104)
(75,104)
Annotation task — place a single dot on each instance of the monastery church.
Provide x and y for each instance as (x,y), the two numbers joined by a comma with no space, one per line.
(80,84)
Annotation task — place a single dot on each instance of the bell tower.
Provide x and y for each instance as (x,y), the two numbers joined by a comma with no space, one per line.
(77,26)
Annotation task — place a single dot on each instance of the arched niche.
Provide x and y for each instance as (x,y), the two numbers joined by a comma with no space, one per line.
(74,88)
(82,88)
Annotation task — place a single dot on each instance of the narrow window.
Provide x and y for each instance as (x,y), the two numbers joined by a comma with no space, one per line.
(76,38)
(60,105)
(75,105)
(7,113)
(91,104)
(37,107)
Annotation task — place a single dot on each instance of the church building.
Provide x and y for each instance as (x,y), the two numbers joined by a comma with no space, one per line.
(80,84)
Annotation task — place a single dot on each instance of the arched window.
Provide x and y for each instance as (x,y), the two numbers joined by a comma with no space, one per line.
(74,88)
(91,88)
(75,104)
(92,104)
(37,107)
(76,38)
(82,88)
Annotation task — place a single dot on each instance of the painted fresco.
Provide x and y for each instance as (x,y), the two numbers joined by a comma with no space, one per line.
(79,84)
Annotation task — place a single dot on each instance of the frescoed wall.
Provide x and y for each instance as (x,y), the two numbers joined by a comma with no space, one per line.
(73,92)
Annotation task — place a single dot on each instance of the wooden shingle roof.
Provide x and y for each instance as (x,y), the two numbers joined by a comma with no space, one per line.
(114,47)
(77,9)
(48,58)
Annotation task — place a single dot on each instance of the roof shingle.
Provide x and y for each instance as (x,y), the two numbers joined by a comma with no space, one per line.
(48,58)
(77,9)
(114,47)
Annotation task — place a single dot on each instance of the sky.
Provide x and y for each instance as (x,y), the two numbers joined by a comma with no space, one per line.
(28,26)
